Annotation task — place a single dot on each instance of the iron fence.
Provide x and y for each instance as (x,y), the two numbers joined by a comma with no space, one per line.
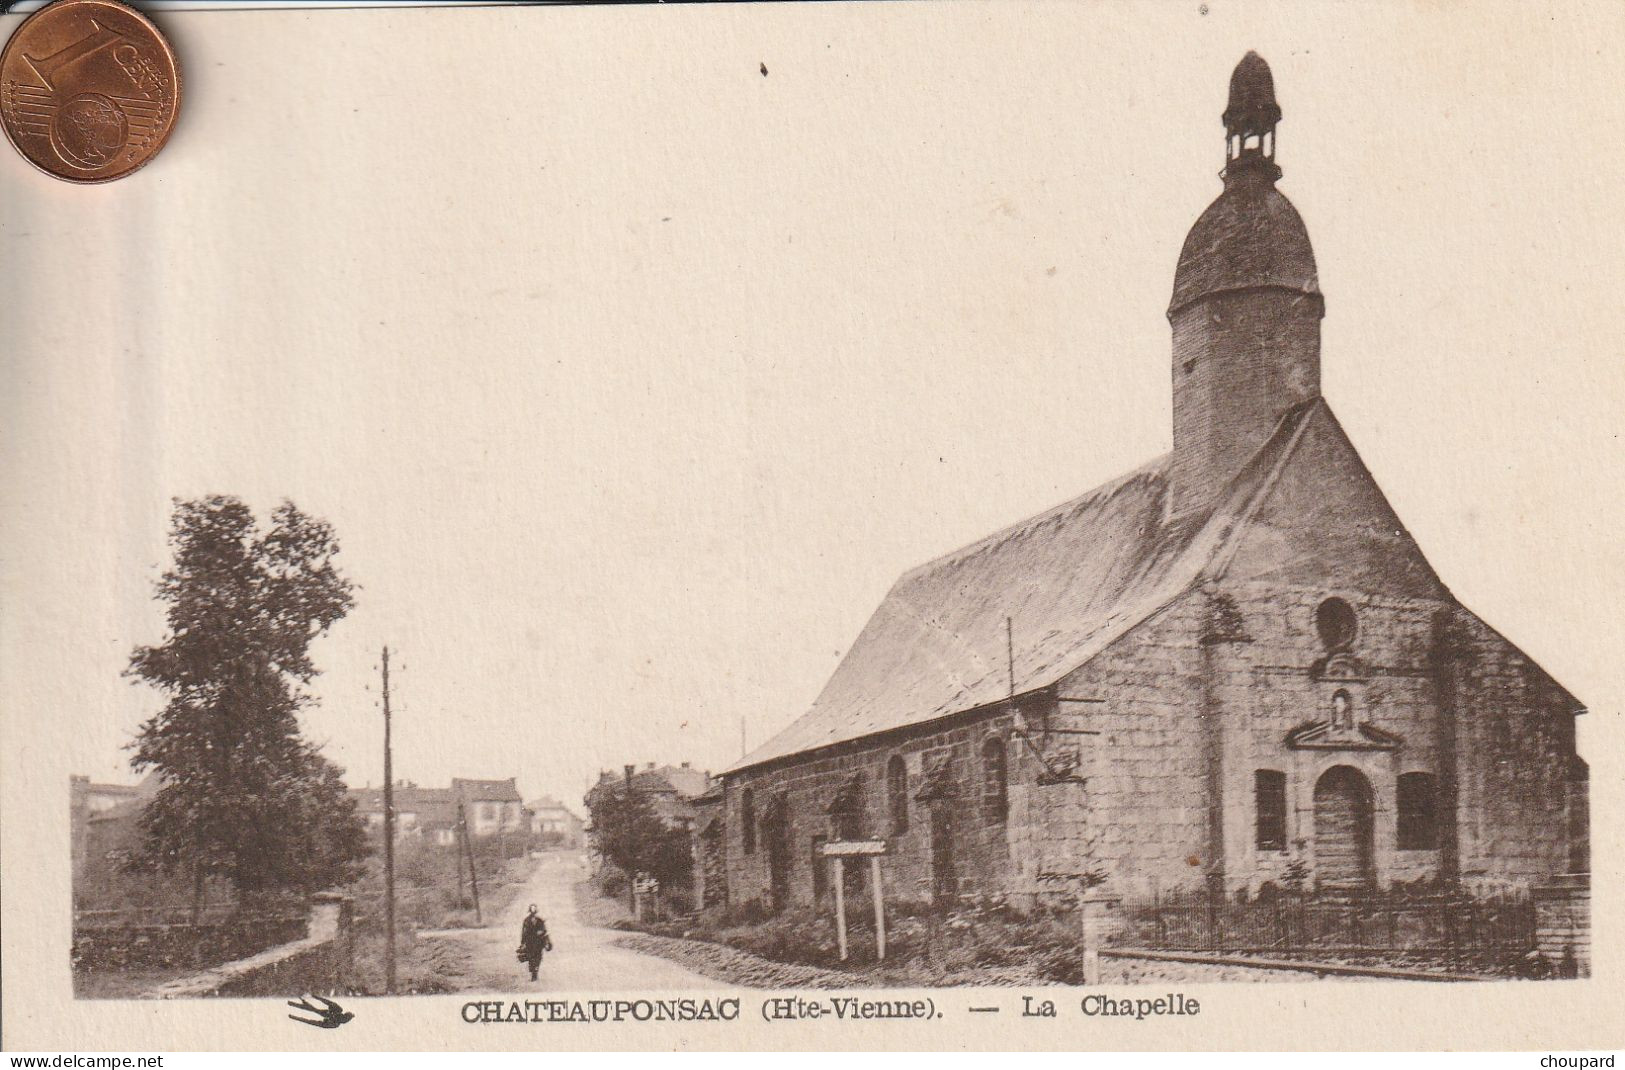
(1297,924)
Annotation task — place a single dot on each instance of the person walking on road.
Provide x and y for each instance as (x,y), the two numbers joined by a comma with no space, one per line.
(533,940)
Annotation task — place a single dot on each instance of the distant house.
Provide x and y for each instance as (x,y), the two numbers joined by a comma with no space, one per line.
(426,813)
(552,822)
(489,806)
(104,829)
(95,798)
(671,789)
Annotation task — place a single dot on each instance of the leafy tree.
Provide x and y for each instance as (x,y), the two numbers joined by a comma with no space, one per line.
(245,797)
(629,833)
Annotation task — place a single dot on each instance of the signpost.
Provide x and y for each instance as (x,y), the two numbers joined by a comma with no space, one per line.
(838,851)
(645,895)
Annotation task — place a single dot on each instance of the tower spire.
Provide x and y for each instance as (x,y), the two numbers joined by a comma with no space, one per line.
(1250,119)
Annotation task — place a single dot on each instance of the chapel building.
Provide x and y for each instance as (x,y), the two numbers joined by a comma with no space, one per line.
(1230,666)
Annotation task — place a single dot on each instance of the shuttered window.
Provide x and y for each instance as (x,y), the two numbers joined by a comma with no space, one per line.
(1269,805)
(995,789)
(1418,812)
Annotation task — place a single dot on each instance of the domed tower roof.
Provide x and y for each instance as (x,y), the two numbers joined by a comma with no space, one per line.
(1251,237)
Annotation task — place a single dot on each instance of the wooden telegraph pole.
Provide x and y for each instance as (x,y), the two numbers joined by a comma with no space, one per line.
(631,878)
(389,843)
(468,851)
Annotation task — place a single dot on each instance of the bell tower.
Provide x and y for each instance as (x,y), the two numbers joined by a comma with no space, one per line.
(1246,307)
(1250,119)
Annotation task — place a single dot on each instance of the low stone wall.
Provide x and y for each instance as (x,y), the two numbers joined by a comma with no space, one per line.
(320,961)
(179,946)
(1563,925)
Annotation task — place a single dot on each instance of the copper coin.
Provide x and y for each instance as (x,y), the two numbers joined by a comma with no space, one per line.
(89,90)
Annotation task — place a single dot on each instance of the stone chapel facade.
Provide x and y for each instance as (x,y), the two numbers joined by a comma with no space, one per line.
(1230,665)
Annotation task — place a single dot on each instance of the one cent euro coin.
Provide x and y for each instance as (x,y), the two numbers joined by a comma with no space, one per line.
(89,90)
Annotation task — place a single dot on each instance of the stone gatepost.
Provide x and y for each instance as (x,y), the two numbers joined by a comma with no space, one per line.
(1099,921)
(334,913)
(1563,924)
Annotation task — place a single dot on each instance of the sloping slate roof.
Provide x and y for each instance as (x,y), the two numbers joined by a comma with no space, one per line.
(485,790)
(683,781)
(1072,580)
(547,803)
(430,804)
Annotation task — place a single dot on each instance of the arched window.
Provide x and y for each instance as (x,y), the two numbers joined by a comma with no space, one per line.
(848,821)
(1336,623)
(1418,812)
(897,794)
(1269,810)
(847,810)
(747,820)
(995,793)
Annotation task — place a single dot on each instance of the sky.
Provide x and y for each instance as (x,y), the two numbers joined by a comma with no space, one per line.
(631,377)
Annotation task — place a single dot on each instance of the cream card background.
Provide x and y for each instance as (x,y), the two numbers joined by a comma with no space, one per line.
(631,377)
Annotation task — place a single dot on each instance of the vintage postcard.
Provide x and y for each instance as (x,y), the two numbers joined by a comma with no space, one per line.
(782,526)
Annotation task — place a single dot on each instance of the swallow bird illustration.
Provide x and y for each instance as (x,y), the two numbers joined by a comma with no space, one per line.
(328,1016)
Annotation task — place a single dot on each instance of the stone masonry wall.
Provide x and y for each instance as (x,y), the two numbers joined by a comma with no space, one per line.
(1510,747)
(1464,704)
(1515,760)
(1239,361)
(1512,752)
(981,841)
(1143,817)
(1170,717)
(319,962)
(1167,728)
(1271,690)
(1563,927)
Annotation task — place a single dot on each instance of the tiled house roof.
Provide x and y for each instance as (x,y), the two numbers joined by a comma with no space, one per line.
(485,790)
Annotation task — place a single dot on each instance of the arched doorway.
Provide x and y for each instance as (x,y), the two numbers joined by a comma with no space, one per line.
(944,874)
(1343,828)
(940,792)
(776,831)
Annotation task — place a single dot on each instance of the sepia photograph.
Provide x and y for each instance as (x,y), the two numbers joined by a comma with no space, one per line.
(944,514)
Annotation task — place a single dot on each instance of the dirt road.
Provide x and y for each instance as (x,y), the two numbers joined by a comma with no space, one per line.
(582,959)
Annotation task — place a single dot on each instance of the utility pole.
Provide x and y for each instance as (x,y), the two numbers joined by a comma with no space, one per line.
(1010,652)
(468,850)
(632,878)
(389,844)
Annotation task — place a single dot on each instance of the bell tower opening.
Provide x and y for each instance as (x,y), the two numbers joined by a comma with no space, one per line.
(1250,119)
